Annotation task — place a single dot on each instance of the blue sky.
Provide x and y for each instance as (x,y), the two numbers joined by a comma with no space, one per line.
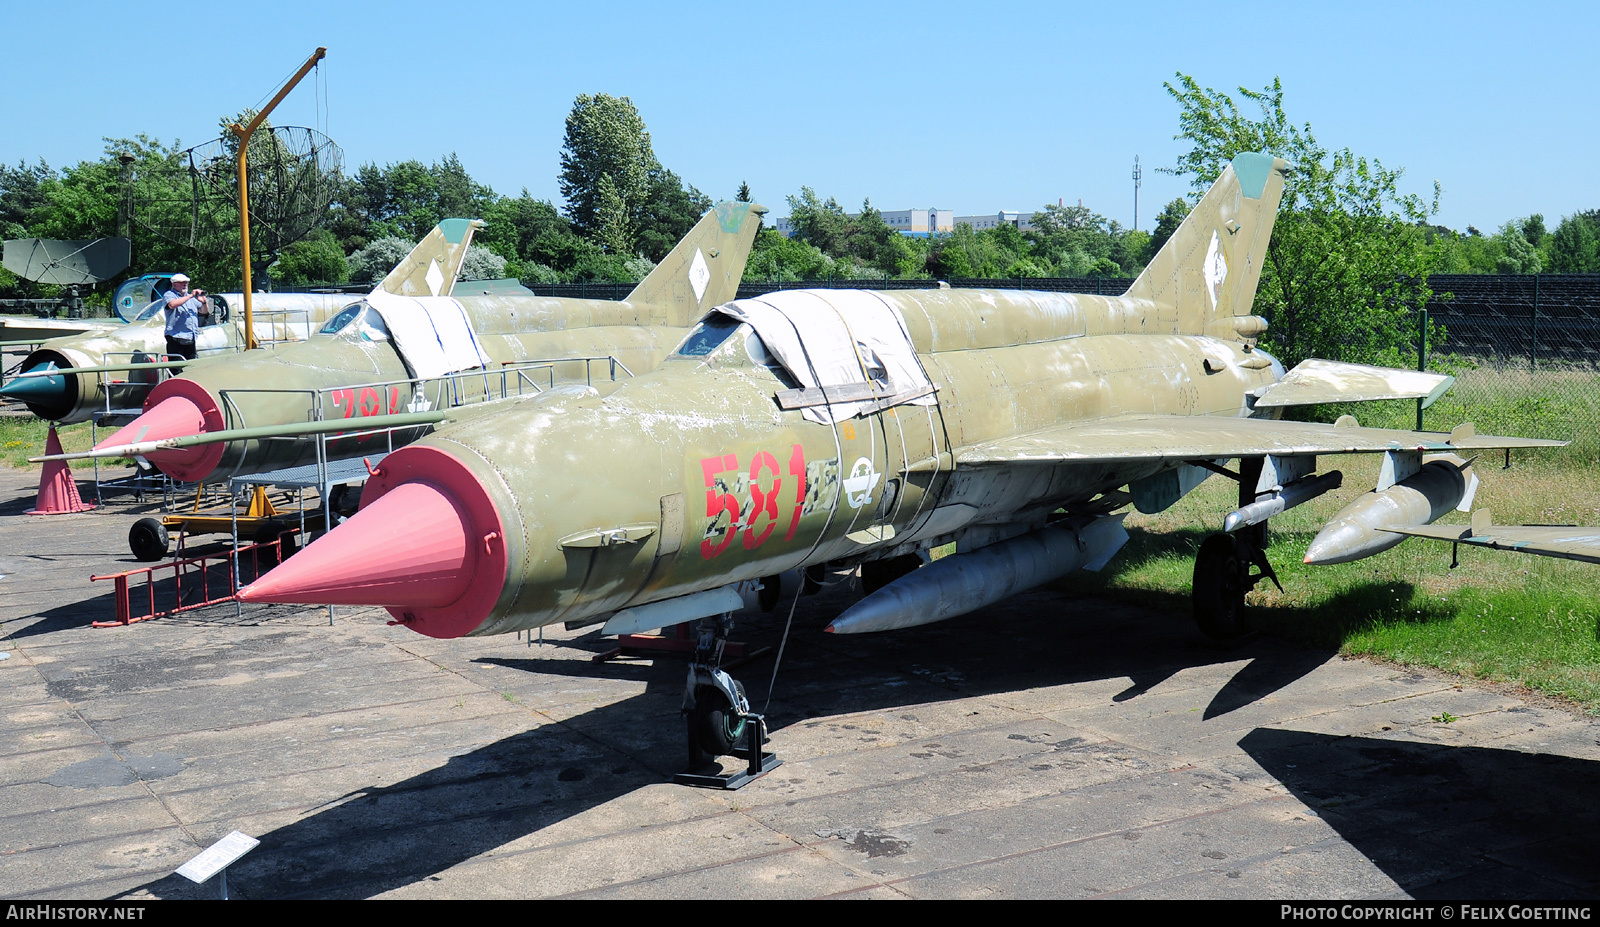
(963,106)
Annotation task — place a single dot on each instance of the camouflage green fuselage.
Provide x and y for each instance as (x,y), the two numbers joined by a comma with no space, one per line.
(349,375)
(695,477)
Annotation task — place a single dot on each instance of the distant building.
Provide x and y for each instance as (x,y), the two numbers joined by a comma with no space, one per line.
(920,223)
(1003,217)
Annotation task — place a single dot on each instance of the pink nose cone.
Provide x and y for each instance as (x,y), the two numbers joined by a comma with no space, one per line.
(176,417)
(427,545)
(176,408)
(407,550)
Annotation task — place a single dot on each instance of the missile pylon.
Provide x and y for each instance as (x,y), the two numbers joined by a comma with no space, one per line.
(960,583)
(1420,499)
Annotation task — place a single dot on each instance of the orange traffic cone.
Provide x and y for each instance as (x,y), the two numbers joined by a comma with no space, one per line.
(58,494)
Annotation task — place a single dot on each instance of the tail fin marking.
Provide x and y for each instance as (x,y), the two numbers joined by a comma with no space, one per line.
(705,268)
(433,265)
(1203,280)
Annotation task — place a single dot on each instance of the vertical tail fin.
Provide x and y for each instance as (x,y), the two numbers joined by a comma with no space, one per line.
(431,267)
(705,268)
(1203,280)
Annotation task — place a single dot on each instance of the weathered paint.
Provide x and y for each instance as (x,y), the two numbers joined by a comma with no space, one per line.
(1044,402)
(285,386)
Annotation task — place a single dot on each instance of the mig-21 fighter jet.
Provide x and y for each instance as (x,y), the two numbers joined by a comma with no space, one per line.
(839,428)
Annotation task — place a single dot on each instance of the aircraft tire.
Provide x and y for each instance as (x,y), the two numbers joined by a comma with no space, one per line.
(1218,589)
(274,531)
(148,540)
(769,592)
(718,729)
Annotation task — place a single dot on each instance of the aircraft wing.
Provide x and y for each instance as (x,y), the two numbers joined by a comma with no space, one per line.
(32,330)
(1180,438)
(1317,381)
(1568,542)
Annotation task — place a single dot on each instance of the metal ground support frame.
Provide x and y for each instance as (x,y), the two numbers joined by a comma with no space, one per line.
(700,775)
(137,484)
(712,702)
(321,476)
(200,567)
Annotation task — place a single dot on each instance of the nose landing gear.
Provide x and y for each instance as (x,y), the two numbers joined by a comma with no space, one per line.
(718,718)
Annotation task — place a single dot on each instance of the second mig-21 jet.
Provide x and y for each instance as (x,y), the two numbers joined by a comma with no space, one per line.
(837,428)
(396,355)
(63,378)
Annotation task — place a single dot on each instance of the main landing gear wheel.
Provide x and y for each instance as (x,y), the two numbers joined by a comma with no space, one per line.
(1221,578)
(1219,587)
(148,539)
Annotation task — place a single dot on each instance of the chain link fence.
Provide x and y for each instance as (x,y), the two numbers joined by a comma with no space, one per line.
(1525,352)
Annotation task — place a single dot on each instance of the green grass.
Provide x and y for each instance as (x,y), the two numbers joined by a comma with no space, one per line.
(1552,402)
(23,436)
(1512,618)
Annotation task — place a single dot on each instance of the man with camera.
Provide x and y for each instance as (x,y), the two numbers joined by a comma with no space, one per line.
(186,311)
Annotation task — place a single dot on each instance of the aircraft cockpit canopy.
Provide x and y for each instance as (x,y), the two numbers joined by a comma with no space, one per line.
(825,339)
(709,338)
(705,337)
(359,321)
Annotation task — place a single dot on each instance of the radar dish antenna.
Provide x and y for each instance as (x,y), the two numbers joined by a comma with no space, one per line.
(192,198)
(67,263)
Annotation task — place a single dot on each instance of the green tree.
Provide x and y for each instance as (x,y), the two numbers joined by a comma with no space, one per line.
(819,223)
(1467,254)
(1080,242)
(1518,254)
(513,225)
(316,258)
(1533,229)
(1348,261)
(613,227)
(22,194)
(374,261)
(777,258)
(1575,244)
(605,137)
(666,214)
(1167,222)
(480,263)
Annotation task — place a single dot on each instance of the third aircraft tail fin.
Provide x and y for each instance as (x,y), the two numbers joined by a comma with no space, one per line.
(432,266)
(1203,280)
(704,270)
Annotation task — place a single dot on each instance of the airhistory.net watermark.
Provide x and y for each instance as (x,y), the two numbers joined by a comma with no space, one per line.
(76,912)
